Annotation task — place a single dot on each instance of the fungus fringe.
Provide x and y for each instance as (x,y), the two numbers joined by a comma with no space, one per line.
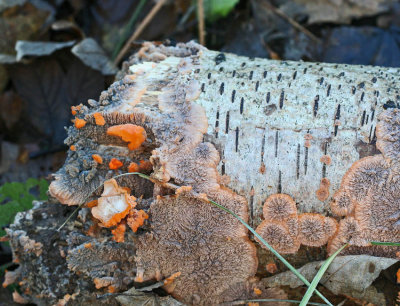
(175,187)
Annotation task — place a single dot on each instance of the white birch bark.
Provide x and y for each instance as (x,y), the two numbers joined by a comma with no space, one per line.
(260,113)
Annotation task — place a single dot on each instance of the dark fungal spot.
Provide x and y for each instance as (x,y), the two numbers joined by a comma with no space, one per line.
(220,58)
(280,182)
(233,73)
(328,91)
(294,75)
(209,75)
(221,88)
(237,139)
(227,123)
(363,118)
(202,87)
(337,116)
(268,97)
(341,74)
(298,162)
(321,80)
(281,98)
(353,90)
(362,96)
(243,64)
(371,267)
(279,77)
(241,105)
(233,95)
(265,74)
(269,109)
(374,79)
(197,71)
(221,69)
(361,85)
(216,124)
(315,108)
(251,75)
(390,104)
(257,85)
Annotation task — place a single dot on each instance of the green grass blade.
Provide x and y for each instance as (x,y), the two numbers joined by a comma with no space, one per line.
(385,243)
(128,28)
(318,277)
(286,263)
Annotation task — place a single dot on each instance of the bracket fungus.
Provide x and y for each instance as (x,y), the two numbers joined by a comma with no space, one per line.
(285,230)
(161,132)
(369,195)
(158,119)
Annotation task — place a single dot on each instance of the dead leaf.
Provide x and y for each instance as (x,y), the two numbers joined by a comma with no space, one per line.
(349,275)
(11,108)
(92,55)
(21,20)
(363,46)
(133,297)
(50,87)
(335,11)
(39,48)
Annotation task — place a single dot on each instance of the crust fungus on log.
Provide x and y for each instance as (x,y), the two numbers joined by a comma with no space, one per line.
(285,230)
(237,131)
(369,195)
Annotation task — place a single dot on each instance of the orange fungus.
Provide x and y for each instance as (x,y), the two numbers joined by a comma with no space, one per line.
(133,134)
(74,109)
(79,123)
(119,233)
(98,117)
(115,164)
(97,158)
(72,148)
(136,219)
(133,167)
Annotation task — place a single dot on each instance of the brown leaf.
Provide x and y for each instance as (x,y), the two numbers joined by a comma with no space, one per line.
(50,86)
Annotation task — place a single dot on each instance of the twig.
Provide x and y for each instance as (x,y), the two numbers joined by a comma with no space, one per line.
(139,30)
(200,16)
(291,21)
(129,27)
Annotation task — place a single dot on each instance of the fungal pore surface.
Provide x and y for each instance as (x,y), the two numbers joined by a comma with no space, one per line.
(144,123)
(285,230)
(369,195)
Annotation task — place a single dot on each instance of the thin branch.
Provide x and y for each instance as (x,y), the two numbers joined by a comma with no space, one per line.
(139,30)
(200,16)
(294,23)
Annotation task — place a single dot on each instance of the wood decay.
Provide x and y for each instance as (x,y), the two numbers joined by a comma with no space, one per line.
(237,131)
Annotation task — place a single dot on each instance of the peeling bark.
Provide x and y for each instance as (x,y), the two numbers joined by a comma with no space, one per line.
(236,130)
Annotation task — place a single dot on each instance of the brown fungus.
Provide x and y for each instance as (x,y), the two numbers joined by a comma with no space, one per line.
(277,235)
(185,233)
(369,195)
(286,231)
(279,207)
(315,229)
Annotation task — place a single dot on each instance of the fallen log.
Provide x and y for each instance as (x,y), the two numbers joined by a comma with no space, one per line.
(306,152)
